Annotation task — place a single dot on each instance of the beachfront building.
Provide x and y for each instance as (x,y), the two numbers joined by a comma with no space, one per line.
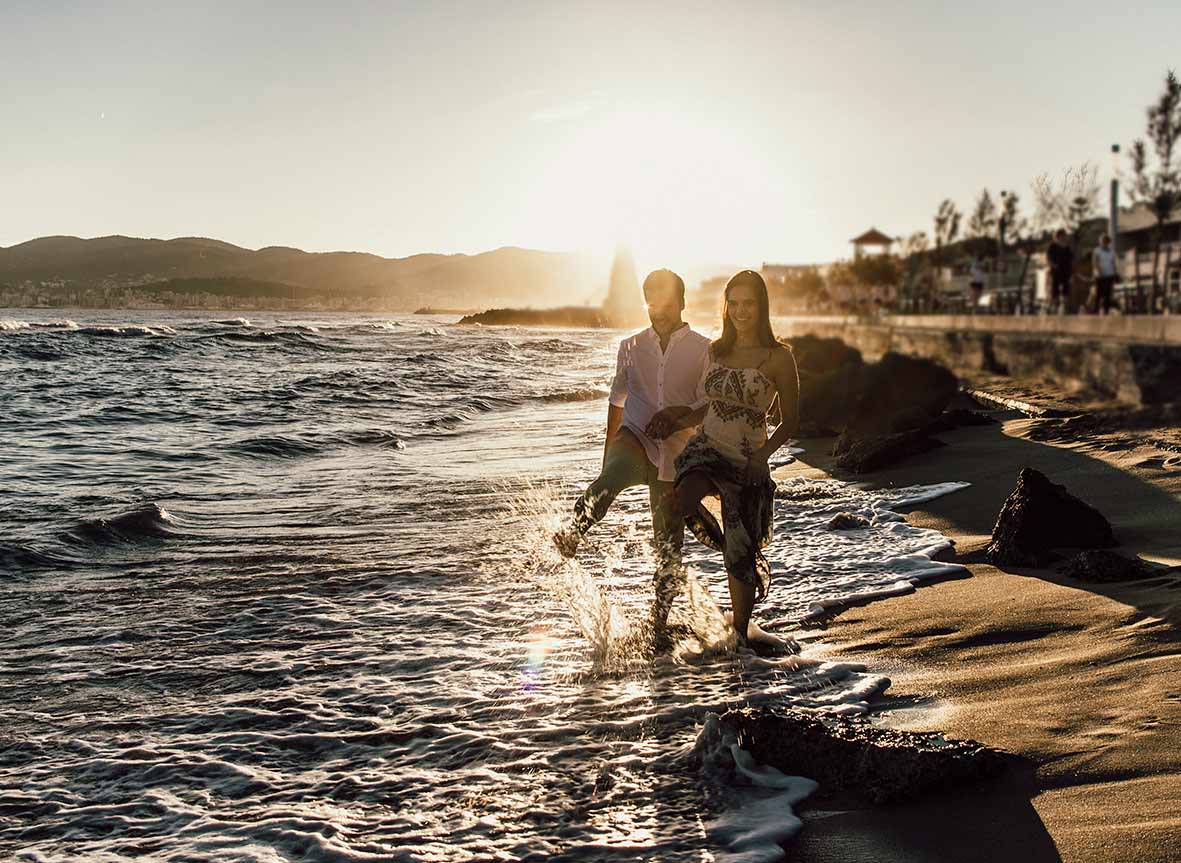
(1135,244)
(795,288)
(872,242)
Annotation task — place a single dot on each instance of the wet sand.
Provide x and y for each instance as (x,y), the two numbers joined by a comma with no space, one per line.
(1081,682)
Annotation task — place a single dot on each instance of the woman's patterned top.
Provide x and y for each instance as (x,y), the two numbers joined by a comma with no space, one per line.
(736,421)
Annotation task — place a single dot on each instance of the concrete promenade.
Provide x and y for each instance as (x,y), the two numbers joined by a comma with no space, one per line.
(1134,359)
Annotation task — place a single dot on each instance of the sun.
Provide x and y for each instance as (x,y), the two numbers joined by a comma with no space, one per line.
(672,183)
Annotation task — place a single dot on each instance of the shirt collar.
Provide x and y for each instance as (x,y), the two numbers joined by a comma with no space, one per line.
(676,335)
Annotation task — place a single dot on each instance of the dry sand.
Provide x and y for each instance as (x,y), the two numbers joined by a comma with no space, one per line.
(1081,682)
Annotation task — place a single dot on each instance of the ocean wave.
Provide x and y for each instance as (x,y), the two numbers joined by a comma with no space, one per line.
(125,331)
(15,556)
(275,446)
(553,346)
(10,325)
(378,437)
(234,322)
(582,394)
(150,522)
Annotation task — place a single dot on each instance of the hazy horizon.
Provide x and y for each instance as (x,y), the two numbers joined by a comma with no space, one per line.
(762,132)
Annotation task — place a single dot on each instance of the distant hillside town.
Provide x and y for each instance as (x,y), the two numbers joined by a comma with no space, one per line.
(202,273)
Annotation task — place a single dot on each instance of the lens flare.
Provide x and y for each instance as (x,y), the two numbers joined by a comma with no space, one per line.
(540,645)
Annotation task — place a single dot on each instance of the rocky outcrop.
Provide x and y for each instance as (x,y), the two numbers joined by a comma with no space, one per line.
(859,455)
(830,382)
(881,413)
(1104,567)
(851,755)
(567,316)
(1039,516)
(900,397)
(901,393)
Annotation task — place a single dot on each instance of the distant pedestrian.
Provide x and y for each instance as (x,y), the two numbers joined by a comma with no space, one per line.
(1060,258)
(1103,264)
(976,281)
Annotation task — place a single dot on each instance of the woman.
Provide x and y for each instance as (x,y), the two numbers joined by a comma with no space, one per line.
(748,370)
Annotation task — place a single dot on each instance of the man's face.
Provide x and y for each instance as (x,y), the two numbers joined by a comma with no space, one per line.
(664,306)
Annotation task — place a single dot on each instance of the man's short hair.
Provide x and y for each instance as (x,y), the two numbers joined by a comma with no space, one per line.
(664,278)
(1059,233)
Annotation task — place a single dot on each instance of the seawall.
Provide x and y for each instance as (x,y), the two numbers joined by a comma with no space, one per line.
(1134,359)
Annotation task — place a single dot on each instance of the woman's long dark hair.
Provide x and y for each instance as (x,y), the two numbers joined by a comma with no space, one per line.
(724,343)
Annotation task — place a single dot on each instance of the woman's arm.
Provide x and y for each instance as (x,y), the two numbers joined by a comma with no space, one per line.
(787,390)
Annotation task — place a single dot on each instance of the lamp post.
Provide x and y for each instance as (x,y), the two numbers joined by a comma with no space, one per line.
(1113,220)
(1000,249)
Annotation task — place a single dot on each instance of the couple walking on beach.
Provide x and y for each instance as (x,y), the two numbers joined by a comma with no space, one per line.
(688,418)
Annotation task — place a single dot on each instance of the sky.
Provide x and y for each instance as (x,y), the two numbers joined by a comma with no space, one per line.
(737,133)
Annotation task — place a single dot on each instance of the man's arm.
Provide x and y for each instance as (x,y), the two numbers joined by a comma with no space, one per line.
(614,421)
(618,399)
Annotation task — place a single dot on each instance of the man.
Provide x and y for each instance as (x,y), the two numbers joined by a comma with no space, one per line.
(1103,265)
(1061,261)
(658,371)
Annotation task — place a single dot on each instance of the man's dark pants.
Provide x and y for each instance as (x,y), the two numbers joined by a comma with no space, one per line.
(627,465)
(1059,287)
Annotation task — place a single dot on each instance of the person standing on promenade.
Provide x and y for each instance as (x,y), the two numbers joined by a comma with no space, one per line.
(1060,259)
(654,406)
(1103,265)
(976,282)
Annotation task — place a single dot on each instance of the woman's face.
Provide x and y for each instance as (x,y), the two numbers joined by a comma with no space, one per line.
(742,307)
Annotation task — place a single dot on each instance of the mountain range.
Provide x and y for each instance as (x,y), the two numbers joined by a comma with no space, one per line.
(71,266)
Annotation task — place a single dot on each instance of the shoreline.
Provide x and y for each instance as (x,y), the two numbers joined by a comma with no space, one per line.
(1081,682)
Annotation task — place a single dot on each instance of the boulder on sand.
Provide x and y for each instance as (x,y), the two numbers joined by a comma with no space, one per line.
(849,754)
(1040,515)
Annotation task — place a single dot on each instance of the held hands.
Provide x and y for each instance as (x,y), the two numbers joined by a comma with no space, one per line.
(666,422)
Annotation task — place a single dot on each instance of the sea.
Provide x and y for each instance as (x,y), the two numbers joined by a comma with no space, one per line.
(282,588)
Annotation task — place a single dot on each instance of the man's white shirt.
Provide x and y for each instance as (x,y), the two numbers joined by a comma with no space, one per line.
(647,380)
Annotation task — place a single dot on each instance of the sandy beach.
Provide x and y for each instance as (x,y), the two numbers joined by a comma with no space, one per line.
(1081,682)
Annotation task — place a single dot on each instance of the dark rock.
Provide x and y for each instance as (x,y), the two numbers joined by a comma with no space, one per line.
(847,521)
(1157,370)
(862,455)
(818,356)
(954,418)
(851,755)
(565,316)
(1102,567)
(900,393)
(1039,515)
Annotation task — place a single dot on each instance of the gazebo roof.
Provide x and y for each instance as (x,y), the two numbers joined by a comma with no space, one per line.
(872,237)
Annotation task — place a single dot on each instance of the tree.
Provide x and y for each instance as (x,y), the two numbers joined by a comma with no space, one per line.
(1016,230)
(1068,204)
(947,226)
(983,219)
(1159,187)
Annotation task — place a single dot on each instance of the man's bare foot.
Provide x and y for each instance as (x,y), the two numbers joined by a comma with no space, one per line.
(567,540)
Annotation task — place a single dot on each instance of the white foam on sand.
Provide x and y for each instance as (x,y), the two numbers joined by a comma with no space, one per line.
(760,816)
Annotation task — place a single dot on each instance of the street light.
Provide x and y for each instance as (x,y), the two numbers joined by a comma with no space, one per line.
(1000,247)
(1113,220)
